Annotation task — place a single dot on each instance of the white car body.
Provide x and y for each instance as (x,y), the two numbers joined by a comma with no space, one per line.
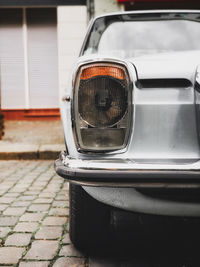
(162,151)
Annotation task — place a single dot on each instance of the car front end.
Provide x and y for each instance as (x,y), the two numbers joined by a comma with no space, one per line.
(131,124)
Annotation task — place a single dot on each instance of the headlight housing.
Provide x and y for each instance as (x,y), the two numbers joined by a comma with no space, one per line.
(102,107)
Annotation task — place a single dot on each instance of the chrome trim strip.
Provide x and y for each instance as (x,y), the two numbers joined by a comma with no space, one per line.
(138,178)
(150,12)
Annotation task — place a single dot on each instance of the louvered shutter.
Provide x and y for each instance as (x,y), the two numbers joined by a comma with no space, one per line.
(11,59)
(42,57)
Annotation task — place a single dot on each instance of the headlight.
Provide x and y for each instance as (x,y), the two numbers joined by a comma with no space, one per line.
(102,107)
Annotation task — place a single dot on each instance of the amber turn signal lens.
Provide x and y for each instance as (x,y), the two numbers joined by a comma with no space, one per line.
(90,72)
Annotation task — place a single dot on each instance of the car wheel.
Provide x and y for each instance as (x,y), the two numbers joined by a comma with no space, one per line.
(89,220)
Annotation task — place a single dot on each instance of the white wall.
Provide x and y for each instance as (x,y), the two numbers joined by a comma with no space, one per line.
(72,23)
(106,6)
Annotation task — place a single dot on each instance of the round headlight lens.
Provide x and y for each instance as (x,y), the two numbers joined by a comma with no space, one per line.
(102,107)
(102,101)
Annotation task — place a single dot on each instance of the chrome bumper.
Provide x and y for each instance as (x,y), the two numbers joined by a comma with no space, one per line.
(125,173)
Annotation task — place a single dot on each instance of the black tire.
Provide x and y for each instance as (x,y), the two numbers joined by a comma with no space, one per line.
(89,220)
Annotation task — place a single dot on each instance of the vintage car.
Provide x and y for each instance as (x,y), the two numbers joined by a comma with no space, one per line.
(131,118)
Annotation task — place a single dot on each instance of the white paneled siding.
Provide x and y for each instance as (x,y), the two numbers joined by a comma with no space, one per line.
(72,23)
(11,59)
(29,54)
(42,57)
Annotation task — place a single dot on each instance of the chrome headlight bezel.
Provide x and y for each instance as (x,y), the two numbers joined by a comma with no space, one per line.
(75,109)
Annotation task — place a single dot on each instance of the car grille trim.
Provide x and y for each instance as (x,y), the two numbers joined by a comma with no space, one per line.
(163,83)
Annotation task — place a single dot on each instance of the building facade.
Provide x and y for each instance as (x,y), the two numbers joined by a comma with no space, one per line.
(107,6)
(39,41)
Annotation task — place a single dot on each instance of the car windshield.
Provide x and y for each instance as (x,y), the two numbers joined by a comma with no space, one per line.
(131,36)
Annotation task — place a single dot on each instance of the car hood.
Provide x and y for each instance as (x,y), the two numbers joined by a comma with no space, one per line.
(167,65)
(157,66)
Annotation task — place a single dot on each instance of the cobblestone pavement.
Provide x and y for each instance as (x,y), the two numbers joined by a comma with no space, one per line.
(34,209)
(34,217)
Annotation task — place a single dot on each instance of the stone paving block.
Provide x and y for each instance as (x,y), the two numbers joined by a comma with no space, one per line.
(65,192)
(47,195)
(34,188)
(51,220)
(61,197)
(26,227)
(4,231)
(27,198)
(8,221)
(7,184)
(39,183)
(59,211)
(3,206)
(45,176)
(53,185)
(34,264)
(15,211)
(68,227)
(31,193)
(39,207)
(43,200)
(70,251)
(11,195)
(32,217)
(42,250)
(63,204)
(69,262)
(21,204)
(17,189)
(22,186)
(51,189)
(6,200)
(18,240)
(2,192)
(66,185)
(10,255)
(66,239)
(49,232)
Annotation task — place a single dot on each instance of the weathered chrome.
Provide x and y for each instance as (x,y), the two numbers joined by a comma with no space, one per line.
(105,164)
(75,113)
(76,76)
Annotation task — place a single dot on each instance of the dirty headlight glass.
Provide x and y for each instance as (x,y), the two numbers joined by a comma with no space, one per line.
(102,107)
